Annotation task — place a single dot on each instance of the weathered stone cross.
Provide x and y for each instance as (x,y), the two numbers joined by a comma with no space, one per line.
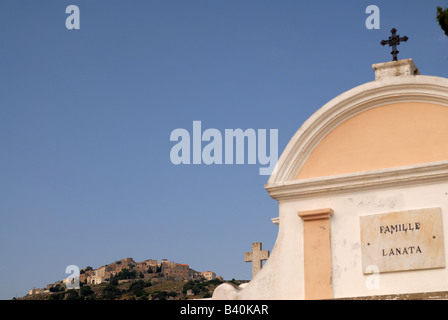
(256,257)
(393,42)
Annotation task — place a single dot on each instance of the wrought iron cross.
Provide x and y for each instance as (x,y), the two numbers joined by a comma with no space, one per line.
(393,42)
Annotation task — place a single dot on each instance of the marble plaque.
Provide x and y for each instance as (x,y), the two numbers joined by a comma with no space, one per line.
(405,240)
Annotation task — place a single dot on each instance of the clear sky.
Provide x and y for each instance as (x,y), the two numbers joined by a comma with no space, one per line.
(86,117)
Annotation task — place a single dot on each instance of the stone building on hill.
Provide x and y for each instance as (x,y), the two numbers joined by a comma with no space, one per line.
(208,275)
(146,270)
(177,271)
(165,268)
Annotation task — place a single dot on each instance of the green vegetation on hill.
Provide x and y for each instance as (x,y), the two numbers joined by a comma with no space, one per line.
(123,288)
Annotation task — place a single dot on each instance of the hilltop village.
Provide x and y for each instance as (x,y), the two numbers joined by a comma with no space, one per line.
(148,269)
(126,273)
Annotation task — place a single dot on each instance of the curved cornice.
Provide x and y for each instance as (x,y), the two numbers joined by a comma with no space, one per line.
(377,93)
(352,182)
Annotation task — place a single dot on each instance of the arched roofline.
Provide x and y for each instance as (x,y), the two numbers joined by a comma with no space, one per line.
(428,89)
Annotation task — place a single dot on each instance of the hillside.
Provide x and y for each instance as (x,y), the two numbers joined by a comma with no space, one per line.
(136,289)
(126,279)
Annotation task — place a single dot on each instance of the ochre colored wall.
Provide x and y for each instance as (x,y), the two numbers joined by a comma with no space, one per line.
(389,136)
(317,253)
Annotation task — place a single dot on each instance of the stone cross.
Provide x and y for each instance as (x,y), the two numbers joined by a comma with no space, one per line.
(393,42)
(256,257)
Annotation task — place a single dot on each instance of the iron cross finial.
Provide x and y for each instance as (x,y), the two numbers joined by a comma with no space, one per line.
(393,42)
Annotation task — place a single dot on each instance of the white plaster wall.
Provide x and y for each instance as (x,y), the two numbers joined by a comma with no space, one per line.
(347,274)
(282,276)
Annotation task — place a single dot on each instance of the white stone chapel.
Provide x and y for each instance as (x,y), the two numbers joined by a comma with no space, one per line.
(362,189)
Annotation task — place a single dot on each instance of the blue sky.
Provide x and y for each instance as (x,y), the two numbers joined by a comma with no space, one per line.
(86,117)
